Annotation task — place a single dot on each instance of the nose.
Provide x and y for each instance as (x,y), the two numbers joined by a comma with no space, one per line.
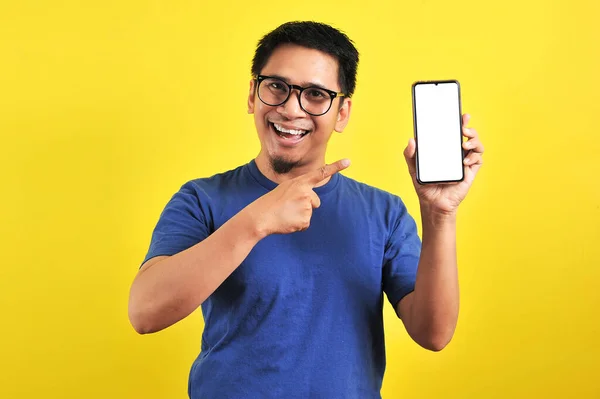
(291,108)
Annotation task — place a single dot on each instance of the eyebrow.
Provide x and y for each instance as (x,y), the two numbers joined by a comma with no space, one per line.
(303,84)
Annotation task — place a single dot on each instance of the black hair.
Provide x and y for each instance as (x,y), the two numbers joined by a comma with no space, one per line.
(313,35)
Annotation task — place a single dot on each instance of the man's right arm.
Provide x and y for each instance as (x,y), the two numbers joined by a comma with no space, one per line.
(169,288)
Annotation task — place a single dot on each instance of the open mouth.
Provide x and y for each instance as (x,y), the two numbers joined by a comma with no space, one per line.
(291,135)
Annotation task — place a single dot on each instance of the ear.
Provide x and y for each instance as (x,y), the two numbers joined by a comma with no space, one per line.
(251,97)
(343,116)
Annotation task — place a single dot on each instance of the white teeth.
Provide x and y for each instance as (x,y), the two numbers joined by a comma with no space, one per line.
(283,130)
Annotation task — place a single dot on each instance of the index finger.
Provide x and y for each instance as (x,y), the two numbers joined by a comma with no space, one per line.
(317,176)
(465,119)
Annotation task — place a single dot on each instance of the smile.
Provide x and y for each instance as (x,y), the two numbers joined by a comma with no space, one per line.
(291,135)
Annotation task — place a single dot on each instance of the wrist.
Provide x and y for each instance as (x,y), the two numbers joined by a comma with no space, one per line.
(434,217)
(253,221)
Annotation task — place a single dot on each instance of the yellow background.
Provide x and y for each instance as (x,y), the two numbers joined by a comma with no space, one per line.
(106,108)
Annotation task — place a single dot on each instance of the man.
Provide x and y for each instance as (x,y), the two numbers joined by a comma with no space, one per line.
(288,258)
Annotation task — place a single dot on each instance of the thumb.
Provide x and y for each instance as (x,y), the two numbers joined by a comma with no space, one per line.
(410,156)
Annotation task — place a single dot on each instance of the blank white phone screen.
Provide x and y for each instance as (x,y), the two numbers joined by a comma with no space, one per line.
(439,139)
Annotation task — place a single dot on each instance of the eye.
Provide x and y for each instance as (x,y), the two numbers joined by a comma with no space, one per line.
(276,86)
(316,94)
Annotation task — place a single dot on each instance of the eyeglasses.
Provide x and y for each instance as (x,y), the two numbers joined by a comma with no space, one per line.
(314,100)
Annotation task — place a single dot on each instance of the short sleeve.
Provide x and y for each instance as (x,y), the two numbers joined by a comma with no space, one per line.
(182,224)
(401,258)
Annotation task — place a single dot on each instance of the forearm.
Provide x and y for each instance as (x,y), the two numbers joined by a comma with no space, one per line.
(434,309)
(171,289)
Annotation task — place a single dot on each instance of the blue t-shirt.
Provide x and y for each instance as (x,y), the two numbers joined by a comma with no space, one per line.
(301,317)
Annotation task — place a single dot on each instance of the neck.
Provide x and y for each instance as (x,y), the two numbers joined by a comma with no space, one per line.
(264,165)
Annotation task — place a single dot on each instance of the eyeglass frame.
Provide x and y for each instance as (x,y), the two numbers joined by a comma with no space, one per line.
(333,94)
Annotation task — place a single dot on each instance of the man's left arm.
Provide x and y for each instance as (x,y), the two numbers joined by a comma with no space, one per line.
(430,312)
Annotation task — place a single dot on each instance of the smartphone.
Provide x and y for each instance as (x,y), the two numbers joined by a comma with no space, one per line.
(437,122)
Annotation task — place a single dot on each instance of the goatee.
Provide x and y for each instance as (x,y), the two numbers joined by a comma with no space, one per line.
(282,166)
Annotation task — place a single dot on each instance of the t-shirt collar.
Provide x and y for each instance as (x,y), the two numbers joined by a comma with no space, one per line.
(270,185)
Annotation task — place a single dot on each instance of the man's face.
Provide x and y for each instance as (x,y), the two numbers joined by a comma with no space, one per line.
(303,67)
